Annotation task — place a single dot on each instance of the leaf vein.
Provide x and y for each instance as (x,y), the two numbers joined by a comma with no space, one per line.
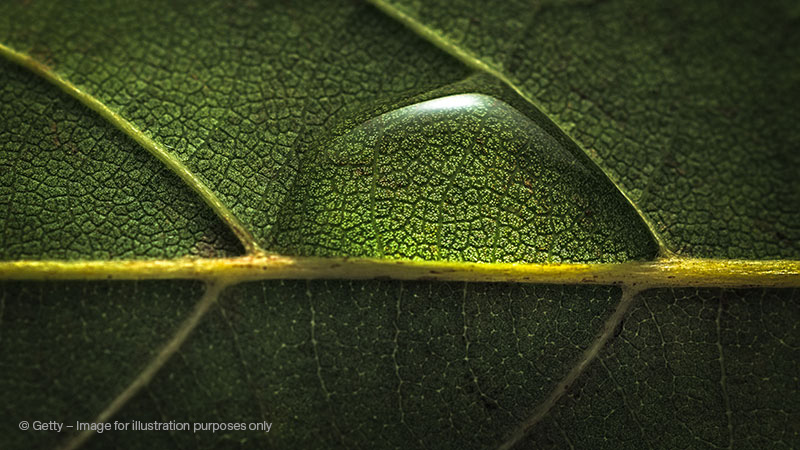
(154,148)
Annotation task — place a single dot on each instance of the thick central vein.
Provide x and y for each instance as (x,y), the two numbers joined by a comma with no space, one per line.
(670,272)
(156,149)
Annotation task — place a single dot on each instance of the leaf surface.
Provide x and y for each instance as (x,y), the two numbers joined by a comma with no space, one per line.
(74,187)
(593,133)
(688,370)
(70,347)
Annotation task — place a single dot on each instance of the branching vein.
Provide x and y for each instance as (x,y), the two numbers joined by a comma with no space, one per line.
(143,378)
(156,149)
(563,386)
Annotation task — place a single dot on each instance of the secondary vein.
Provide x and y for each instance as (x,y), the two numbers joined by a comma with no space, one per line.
(170,347)
(563,386)
(156,149)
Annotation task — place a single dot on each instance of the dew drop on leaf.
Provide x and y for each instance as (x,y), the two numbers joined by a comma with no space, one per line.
(465,177)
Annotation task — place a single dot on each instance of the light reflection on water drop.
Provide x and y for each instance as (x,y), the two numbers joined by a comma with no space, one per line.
(451,103)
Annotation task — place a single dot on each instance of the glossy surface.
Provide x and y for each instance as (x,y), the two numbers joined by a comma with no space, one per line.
(464,177)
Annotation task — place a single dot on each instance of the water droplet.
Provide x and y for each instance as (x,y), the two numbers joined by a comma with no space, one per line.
(466,177)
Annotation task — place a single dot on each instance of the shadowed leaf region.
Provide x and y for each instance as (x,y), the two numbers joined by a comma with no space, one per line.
(689,368)
(369,364)
(67,348)
(466,178)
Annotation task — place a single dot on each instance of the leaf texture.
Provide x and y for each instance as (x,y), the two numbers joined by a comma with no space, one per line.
(591,132)
(75,188)
(67,348)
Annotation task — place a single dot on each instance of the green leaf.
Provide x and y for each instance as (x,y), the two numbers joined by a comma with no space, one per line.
(238,94)
(70,347)
(192,171)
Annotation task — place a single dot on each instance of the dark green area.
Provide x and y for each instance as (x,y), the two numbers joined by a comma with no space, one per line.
(370,364)
(68,348)
(341,364)
(689,106)
(660,383)
(72,187)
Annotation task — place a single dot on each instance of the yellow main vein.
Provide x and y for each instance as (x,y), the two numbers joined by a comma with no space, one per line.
(671,272)
(471,60)
(156,149)
(209,297)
